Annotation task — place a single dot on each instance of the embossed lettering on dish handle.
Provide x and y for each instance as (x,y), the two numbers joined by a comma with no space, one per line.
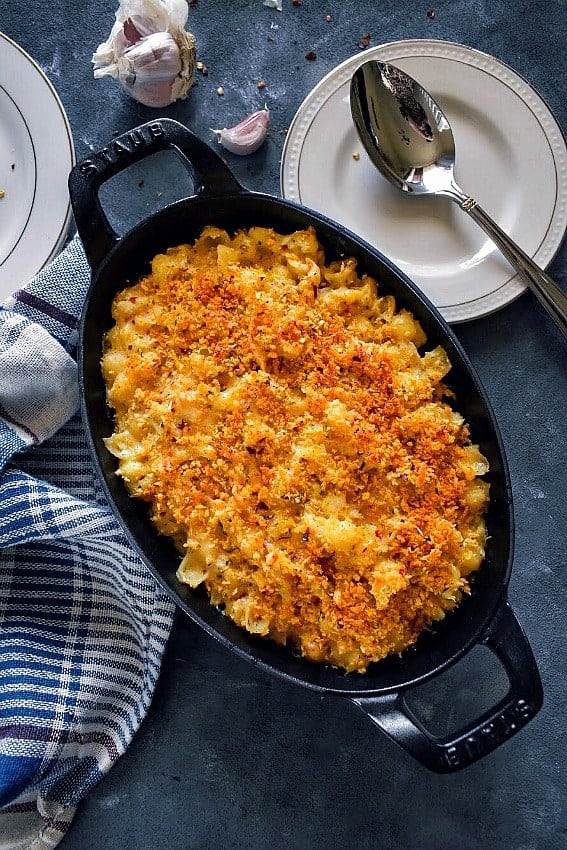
(490,736)
(122,147)
(505,638)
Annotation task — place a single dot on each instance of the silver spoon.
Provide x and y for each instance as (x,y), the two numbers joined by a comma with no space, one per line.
(410,141)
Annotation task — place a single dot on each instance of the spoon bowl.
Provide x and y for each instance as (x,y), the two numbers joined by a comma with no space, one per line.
(410,141)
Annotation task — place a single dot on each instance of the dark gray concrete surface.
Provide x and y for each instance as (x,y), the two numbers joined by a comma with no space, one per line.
(228,756)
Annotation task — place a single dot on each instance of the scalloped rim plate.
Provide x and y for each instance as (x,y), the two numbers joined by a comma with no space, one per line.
(511,156)
(36,155)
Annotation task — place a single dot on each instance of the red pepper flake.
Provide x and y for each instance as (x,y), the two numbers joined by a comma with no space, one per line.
(305,535)
(328,565)
(296,2)
(364,41)
(311,56)
(271,38)
(431,13)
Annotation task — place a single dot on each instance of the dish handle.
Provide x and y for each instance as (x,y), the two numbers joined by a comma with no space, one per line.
(207,169)
(506,639)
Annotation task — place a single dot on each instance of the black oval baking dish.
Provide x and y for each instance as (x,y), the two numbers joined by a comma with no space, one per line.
(484,617)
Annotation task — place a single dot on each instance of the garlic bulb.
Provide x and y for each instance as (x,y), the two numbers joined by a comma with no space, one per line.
(149,51)
(247,136)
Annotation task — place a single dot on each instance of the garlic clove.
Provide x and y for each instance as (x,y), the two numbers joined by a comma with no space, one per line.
(246,136)
(155,57)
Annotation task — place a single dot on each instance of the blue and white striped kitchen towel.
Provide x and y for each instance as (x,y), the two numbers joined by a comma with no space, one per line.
(83,625)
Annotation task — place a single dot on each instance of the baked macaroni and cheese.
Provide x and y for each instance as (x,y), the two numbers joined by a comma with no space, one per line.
(279,418)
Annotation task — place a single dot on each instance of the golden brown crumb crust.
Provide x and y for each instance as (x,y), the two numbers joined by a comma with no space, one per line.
(279,418)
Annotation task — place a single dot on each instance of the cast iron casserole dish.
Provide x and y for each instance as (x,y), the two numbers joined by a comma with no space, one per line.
(483,617)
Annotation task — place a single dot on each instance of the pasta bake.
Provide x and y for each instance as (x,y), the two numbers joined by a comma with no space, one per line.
(290,430)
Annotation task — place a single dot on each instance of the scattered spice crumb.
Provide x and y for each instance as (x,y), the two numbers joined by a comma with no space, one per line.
(159,194)
(356,156)
(261,84)
(296,2)
(311,56)
(13,165)
(431,13)
(140,183)
(271,38)
(364,41)
(220,91)
(328,18)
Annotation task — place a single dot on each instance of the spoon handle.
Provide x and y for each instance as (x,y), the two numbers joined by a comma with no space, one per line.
(549,295)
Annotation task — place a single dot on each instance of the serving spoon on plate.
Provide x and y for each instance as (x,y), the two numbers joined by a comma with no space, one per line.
(410,141)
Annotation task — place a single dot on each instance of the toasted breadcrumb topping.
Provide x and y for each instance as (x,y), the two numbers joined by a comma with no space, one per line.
(278,416)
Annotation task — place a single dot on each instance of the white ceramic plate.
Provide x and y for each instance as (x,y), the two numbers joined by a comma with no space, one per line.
(36,155)
(511,157)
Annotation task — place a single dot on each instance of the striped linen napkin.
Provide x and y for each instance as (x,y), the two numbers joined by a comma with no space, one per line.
(83,625)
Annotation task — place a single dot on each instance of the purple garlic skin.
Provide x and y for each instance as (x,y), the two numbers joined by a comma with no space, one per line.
(246,136)
(149,52)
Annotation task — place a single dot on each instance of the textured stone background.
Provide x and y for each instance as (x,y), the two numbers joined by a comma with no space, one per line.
(230,757)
